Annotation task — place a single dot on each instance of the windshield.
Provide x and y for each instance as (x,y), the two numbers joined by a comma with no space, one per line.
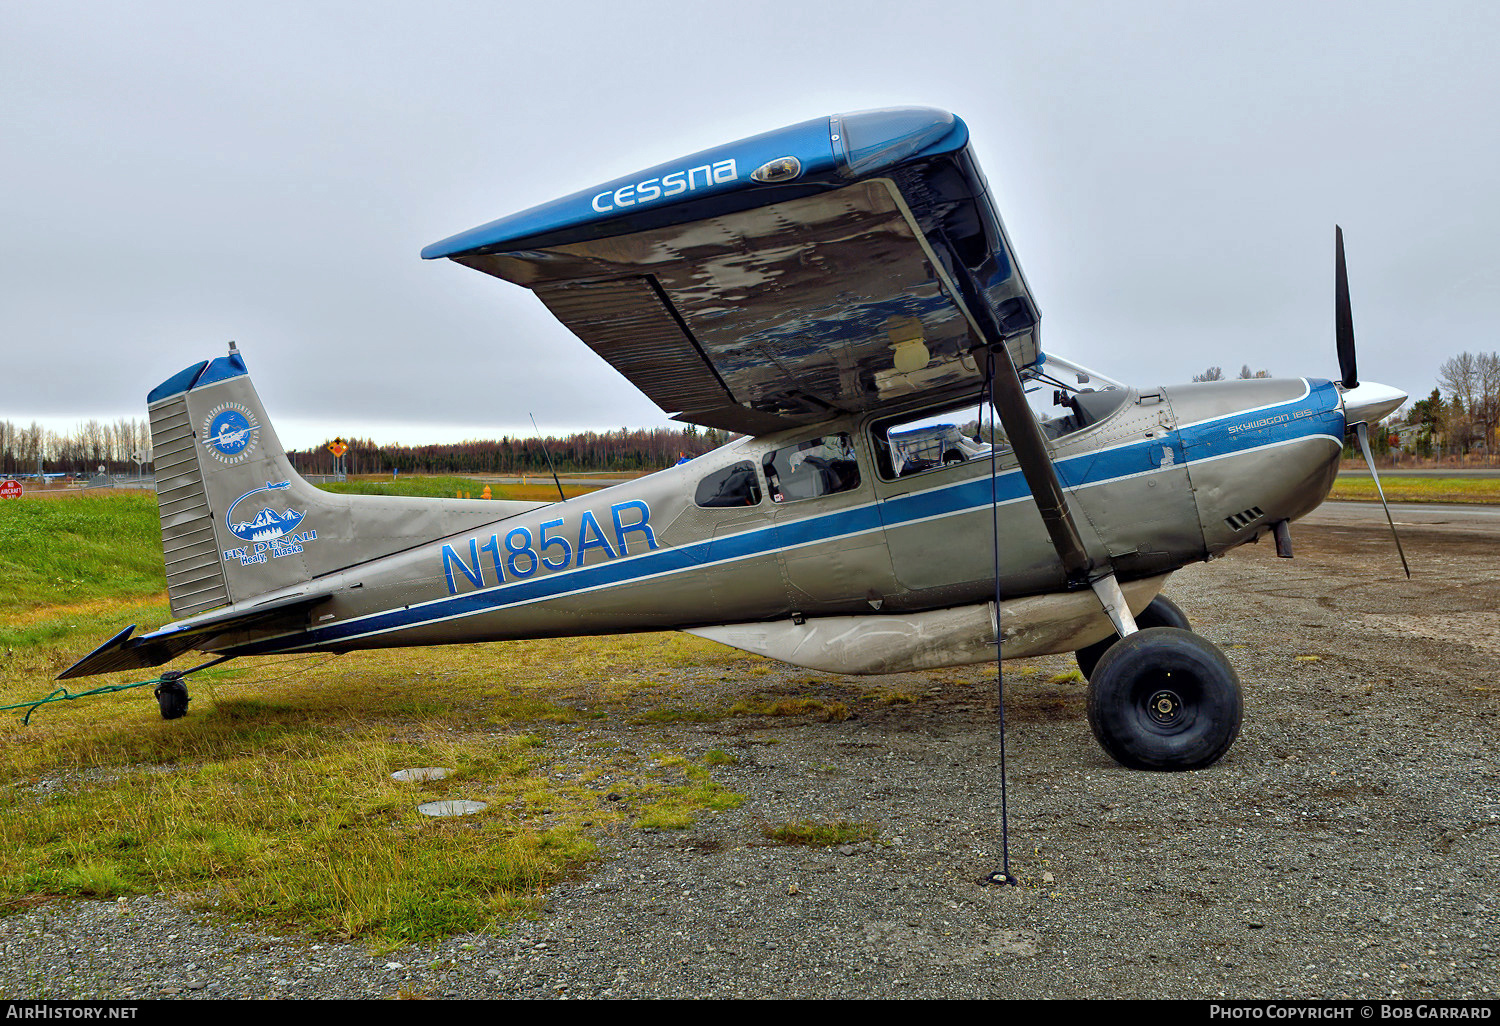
(1067,397)
(1063,396)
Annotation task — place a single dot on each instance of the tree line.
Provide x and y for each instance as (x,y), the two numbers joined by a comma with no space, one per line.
(623,450)
(1217,374)
(1462,415)
(114,445)
(94,443)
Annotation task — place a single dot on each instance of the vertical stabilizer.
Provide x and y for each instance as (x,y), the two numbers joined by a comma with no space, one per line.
(237,521)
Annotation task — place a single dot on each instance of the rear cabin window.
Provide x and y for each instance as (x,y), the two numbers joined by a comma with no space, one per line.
(807,470)
(732,486)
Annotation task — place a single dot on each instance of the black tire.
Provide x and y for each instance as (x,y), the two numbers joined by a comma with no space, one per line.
(172,697)
(1165,699)
(1162,612)
(953,457)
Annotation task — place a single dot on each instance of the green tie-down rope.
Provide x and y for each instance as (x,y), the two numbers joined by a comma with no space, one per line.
(62,695)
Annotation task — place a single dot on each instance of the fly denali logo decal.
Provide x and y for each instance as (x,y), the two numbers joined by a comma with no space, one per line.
(677,182)
(229,432)
(271,533)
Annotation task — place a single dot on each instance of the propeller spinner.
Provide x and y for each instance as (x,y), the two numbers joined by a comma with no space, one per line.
(1366,402)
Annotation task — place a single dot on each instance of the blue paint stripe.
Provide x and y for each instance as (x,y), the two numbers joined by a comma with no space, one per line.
(1317,413)
(222,369)
(177,383)
(1310,415)
(199,374)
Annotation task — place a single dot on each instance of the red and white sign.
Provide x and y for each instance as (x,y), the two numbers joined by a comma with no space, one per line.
(10,489)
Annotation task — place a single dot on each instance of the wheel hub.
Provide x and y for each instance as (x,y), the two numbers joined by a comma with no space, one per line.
(1165,707)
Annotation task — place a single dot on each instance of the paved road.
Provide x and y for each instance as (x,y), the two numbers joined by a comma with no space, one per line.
(1471,530)
(1411,512)
(1449,472)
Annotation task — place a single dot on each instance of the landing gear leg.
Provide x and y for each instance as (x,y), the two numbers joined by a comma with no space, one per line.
(1162,612)
(1165,699)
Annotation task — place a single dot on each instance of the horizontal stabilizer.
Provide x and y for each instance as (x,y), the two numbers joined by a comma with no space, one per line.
(122,652)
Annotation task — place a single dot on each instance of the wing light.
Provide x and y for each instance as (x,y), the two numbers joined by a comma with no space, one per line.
(782,169)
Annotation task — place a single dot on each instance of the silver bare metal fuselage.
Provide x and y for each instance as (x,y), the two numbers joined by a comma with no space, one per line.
(1172,476)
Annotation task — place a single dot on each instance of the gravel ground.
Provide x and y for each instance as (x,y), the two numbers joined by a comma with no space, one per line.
(1348,845)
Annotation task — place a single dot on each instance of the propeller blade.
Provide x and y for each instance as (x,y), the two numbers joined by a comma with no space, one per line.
(1343,316)
(1361,430)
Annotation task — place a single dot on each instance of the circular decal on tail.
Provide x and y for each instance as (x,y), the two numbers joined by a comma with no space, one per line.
(229,432)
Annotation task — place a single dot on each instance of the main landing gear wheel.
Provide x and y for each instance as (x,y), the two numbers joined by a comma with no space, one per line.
(1162,612)
(172,696)
(1165,699)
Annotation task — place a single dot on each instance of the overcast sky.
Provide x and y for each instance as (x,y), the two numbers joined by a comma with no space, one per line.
(175,175)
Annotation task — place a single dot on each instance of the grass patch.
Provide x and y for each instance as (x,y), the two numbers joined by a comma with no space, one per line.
(671,715)
(820,834)
(451,487)
(828,712)
(1417,489)
(304,830)
(78,550)
(272,800)
(675,806)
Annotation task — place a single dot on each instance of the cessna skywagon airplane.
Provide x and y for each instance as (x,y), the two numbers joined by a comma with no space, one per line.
(843,294)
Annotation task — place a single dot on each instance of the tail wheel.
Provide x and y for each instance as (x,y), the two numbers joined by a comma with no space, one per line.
(172,697)
(1162,612)
(1165,699)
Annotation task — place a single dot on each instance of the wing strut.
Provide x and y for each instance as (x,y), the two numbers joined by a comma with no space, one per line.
(1025,434)
(1030,446)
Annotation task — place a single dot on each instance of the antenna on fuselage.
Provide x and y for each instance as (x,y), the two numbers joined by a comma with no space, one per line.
(547,453)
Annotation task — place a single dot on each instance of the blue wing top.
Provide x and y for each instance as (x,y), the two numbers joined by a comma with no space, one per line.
(836,265)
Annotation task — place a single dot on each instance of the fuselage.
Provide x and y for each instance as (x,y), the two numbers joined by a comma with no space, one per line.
(824,521)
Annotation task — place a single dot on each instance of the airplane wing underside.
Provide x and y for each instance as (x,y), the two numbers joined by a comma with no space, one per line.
(834,266)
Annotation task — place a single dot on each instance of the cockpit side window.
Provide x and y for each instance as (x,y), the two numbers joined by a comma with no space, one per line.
(735,485)
(807,470)
(915,443)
